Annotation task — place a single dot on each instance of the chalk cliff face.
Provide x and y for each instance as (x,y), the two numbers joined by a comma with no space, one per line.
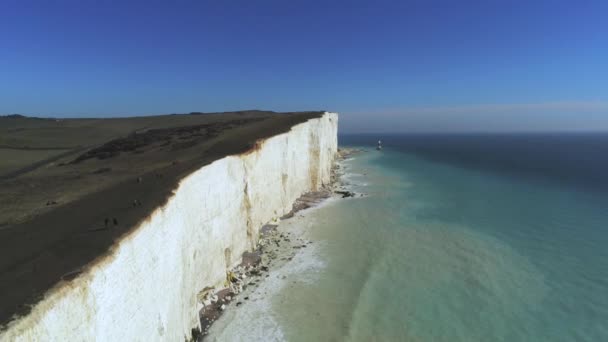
(146,288)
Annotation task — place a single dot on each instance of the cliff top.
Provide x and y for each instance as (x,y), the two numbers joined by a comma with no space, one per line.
(70,188)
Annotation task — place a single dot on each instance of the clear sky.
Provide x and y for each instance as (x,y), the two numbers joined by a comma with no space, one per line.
(385,66)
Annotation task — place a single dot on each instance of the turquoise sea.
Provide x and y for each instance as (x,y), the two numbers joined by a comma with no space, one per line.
(460,238)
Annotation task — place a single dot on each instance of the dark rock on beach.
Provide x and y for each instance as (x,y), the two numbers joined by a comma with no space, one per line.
(346,194)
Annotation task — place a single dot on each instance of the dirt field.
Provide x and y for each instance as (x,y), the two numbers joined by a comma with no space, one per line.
(60,179)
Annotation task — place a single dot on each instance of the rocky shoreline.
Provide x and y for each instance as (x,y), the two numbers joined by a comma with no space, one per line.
(275,248)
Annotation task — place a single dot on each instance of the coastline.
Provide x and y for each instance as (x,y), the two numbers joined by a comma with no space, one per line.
(285,249)
(436,251)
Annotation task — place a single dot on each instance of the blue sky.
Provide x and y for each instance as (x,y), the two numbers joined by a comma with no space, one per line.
(384,65)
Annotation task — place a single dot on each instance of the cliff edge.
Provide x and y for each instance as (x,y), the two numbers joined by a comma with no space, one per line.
(181,226)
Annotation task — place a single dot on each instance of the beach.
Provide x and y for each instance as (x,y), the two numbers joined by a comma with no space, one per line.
(288,255)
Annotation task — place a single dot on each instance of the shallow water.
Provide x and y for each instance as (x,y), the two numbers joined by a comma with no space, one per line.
(444,250)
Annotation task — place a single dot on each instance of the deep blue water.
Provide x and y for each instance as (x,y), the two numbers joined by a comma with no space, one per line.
(569,159)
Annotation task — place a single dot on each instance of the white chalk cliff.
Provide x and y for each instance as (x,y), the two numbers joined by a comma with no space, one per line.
(145,288)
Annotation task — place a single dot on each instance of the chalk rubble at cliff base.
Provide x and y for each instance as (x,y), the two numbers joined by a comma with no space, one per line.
(275,248)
